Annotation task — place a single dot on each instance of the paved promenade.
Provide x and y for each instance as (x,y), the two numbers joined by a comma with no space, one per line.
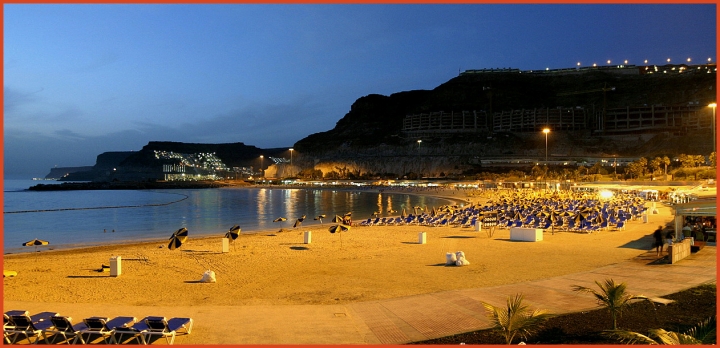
(406,319)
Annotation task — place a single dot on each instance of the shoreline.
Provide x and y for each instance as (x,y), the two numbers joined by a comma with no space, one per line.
(211,234)
(471,196)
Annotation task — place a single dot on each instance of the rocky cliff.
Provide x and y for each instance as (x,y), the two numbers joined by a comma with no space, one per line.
(370,137)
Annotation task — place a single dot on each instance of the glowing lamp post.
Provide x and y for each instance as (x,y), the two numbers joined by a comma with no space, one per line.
(291,153)
(546,131)
(262,160)
(713,106)
(419,141)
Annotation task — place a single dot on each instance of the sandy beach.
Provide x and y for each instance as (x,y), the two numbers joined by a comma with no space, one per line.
(278,268)
(369,263)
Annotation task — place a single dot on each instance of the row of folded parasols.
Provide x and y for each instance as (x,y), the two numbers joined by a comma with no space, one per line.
(181,235)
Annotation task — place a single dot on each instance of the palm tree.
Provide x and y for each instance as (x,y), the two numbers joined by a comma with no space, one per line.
(613,297)
(666,162)
(704,332)
(516,318)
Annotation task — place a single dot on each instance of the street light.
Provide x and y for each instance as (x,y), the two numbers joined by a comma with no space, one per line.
(713,106)
(419,141)
(546,131)
(291,151)
(615,165)
(262,159)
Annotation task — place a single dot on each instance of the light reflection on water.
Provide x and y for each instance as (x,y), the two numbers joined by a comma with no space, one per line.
(205,212)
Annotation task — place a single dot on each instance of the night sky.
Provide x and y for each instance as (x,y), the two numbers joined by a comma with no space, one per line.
(85,79)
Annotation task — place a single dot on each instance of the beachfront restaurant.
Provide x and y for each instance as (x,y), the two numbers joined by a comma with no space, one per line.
(699,214)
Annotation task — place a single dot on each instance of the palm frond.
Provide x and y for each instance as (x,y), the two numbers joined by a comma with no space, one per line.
(628,337)
(515,318)
(705,331)
(672,338)
(702,333)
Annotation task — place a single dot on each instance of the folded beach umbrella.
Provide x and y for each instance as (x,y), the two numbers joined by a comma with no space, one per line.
(233,233)
(339,228)
(35,242)
(178,238)
(403,215)
(579,218)
(320,217)
(517,216)
(599,219)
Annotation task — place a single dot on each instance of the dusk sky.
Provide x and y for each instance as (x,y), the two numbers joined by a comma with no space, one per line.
(85,79)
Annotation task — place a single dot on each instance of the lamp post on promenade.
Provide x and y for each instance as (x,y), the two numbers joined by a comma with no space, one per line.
(615,165)
(419,141)
(546,131)
(262,158)
(713,106)
(291,156)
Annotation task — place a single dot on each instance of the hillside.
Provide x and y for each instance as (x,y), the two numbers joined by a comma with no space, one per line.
(375,119)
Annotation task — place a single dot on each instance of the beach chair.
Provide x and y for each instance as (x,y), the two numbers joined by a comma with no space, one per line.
(620,225)
(103,327)
(29,327)
(603,225)
(159,326)
(126,334)
(63,327)
(8,324)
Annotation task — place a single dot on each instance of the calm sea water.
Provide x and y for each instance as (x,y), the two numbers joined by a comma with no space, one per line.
(77,218)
